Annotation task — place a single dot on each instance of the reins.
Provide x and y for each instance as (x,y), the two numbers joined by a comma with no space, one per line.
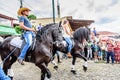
(8,56)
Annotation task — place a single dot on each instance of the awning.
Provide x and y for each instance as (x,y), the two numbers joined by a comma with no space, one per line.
(7,30)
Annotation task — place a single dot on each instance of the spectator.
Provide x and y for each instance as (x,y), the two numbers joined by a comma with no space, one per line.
(103,48)
(95,48)
(99,52)
(110,51)
(94,31)
(39,27)
(89,50)
(117,52)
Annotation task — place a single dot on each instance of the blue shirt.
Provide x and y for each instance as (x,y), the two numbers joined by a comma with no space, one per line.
(26,21)
(39,27)
(95,32)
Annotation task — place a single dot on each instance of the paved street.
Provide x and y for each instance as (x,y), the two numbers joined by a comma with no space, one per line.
(96,71)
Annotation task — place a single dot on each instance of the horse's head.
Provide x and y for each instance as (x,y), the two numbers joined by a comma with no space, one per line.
(87,32)
(81,35)
(57,35)
(52,33)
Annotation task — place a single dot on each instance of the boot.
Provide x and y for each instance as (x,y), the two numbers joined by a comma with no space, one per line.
(21,61)
(69,55)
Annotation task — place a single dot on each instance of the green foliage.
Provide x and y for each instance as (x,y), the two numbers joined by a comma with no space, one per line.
(32,17)
(18,30)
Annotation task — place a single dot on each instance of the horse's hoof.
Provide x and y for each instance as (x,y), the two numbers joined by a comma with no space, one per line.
(84,68)
(46,78)
(49,76)
(73,71)
(59,62)
(56,67)
(11,78)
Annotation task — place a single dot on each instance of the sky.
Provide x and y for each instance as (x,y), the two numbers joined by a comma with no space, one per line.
(105,13)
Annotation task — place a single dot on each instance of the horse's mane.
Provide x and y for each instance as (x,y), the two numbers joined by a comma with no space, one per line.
(44,31)
(49,26)
(80,34)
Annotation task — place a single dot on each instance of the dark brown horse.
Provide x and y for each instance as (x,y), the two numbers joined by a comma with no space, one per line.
(80,35)
(41,55)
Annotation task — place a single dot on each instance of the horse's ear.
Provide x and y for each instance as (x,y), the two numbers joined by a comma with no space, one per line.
(60,23)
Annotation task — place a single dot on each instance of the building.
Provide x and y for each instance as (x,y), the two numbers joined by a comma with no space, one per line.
(7,30)
(4,17)
(74,23)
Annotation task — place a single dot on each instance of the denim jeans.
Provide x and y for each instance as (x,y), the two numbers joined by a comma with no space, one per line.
(28,39)
(2,75)
(112,56)
(69,42)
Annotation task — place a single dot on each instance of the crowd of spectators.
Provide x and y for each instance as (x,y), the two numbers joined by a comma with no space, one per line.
(101,50)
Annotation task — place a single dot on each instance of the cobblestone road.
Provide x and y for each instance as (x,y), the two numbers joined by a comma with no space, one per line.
(96,71)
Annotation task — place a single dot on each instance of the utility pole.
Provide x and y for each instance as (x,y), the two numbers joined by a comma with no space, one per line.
(21,4)
(58,8)
(53,8)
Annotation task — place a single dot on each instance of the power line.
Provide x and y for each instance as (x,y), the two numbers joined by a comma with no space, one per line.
(6,10)
(33,10)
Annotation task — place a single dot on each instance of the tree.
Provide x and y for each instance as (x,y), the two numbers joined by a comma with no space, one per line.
(18,30)
(32,17)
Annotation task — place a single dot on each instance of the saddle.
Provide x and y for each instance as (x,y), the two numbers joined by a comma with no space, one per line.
(20,42)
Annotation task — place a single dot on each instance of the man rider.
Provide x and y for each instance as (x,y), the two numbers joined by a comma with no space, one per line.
(28,34)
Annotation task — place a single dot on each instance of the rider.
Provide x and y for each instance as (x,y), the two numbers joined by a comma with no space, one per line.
(28,31)
(67,35)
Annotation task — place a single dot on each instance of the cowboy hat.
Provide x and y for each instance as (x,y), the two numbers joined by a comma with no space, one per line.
(23,9)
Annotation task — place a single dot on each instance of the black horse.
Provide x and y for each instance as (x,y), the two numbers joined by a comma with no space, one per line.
(41,55)
(80,35)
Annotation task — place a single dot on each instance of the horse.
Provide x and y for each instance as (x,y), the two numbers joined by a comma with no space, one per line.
(79,36)
(41,55)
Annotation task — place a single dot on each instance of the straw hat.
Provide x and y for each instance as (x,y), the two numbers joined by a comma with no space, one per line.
(23,9)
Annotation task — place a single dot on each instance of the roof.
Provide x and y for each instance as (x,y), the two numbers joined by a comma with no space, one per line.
(75,23)
(107,33)
(7,30)
(7,17)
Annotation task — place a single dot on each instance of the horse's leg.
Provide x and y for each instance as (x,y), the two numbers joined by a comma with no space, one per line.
(6,66)
(85,59)
(44,71)
(10,71)
(42,74)
(53,62)
(58,56)
(73,65)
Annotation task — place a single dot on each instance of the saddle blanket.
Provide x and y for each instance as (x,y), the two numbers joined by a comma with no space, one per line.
(17,42)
